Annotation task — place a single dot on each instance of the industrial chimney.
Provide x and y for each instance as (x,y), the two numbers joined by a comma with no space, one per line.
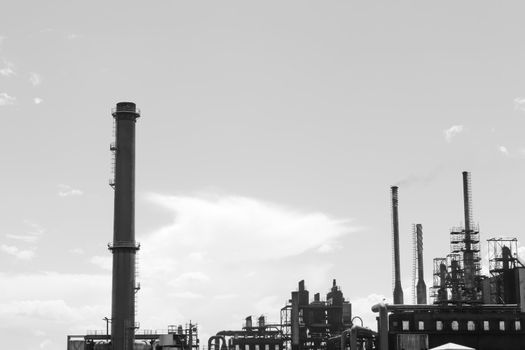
(124,247)
(398,290)
(468,252)
(421,287)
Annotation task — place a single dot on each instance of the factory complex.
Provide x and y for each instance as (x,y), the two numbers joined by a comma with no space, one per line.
(462,309)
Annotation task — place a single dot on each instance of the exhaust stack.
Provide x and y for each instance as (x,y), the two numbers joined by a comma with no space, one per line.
(124,247)
(398,290)
(421,287)
(468,253)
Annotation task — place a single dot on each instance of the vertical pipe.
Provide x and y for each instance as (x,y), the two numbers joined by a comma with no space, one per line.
(421,287)
(382,325)
(124,247)
(398,290)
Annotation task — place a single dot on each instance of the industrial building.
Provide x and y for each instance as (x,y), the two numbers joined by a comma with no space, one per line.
(468,308)
(304,325)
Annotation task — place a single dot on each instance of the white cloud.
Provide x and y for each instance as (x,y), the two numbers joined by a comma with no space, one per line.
(521,254)
(8,69)
(73,36)
(51,304)
(35,79)
(191,277)
(55,310)
(519,103)
(66,191)
(362,307)
(6,100)
(252,226)
(452,131)
(326,248)
(215,245)
(46,344)
(23,238)
(104,262)
(503,150)
(38,100)
(21,254)
(31,236)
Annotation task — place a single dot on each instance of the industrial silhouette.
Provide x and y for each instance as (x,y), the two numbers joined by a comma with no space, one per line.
(468,308)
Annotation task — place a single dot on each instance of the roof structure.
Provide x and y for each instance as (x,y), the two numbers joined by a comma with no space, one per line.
(452,346)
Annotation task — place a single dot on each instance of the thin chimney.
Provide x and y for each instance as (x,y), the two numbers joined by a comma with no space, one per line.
(398,290)
(421,287)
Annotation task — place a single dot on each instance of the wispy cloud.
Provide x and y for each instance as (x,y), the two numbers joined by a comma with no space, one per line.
(8,69)
(452,131)
(23,238)
(193,276)
(503,150)
(50,304)
(36,229)
(73,36)
(38,100)
(35,79)
(66,191)
(76,251)
(248,223)
(31,236)
(21,254)
(519,104)
(6,100)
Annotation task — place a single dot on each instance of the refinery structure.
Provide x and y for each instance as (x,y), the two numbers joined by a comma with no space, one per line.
(463,306)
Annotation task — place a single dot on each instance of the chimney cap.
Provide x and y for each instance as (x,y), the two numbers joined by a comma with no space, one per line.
(126,107)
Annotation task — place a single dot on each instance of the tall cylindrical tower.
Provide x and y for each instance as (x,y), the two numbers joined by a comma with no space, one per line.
(124,247)
(398,290)
(421,287)
(468,253)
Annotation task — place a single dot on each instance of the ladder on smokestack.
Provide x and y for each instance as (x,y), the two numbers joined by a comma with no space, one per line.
(113,149)
(414,263)
(137,285)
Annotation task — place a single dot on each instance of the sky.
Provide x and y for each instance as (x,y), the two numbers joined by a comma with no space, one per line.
(270,135)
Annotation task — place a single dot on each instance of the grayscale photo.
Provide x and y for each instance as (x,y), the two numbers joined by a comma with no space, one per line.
(262,175)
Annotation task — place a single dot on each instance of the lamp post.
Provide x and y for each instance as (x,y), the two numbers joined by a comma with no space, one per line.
(108,320)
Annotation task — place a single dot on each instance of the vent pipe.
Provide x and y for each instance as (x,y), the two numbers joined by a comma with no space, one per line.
(421,287)
(398,290)
(124,247)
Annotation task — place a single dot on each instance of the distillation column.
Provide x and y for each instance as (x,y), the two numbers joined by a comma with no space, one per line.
(421,287)
(124,247)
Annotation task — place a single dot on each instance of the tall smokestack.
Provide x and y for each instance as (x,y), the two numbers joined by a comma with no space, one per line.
(468,253)
(398,290)
(124,247)
(421,287)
